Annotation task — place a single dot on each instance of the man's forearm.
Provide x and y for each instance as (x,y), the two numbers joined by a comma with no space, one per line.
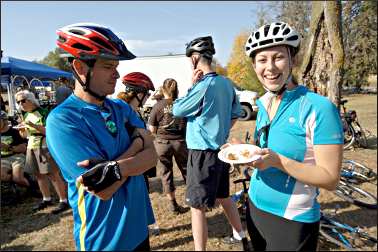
(134,148)
(138,163)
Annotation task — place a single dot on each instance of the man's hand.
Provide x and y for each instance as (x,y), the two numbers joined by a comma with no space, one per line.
(233,141)
(197,75)
(102,175)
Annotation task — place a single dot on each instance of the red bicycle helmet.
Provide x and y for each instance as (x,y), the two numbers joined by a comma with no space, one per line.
(91,41)
(138,82)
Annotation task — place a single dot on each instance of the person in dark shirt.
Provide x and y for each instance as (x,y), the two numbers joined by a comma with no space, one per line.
(13,148)
(170,140)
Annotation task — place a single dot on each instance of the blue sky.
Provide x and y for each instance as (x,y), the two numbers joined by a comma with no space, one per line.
(147,27)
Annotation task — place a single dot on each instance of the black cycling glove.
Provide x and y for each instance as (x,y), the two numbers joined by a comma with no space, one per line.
(102,175)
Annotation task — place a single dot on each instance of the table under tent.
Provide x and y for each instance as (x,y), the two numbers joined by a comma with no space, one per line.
(20,74)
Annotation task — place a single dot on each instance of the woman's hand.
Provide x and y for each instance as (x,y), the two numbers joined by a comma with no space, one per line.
(268,159)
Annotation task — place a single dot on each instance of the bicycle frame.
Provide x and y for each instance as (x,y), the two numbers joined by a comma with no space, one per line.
(328,223)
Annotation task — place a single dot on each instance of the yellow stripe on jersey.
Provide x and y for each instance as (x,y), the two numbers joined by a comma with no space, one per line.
(83,217)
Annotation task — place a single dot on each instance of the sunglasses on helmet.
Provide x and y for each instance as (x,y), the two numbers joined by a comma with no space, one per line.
(262,136)
(110,124)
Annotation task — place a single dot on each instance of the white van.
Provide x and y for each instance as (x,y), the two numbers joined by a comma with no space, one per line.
(178,67)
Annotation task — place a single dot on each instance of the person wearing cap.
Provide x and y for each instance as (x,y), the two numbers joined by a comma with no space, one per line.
(100,159)
(210,107)
(301,136)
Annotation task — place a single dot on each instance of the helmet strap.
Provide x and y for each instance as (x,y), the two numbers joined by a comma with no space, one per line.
(140,100)
(86,84)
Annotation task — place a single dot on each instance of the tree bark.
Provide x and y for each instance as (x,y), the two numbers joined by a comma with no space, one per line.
(323,60)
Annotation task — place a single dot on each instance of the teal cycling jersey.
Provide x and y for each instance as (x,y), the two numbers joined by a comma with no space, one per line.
(209,107)
(303,119)
(76,131)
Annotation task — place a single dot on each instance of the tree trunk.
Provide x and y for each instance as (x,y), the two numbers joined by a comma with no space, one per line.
(323,60)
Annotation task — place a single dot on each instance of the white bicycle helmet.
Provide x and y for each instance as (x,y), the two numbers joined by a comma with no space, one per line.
(273,34)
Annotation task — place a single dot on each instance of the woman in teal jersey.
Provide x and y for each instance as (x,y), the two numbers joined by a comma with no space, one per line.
(300,134)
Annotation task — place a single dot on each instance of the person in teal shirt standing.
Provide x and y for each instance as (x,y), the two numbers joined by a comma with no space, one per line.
(100,159)
(210,107)
(301,137)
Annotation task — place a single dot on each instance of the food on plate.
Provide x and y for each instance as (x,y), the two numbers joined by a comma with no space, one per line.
(232,156)
(245,153)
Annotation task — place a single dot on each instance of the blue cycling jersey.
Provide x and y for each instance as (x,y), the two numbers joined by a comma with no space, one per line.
(303,119)
(209,107)
(76,131)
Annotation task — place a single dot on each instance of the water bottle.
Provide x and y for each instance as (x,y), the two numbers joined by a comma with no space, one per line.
(236,196)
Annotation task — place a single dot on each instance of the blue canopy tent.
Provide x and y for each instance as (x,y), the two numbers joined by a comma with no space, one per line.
(13,68)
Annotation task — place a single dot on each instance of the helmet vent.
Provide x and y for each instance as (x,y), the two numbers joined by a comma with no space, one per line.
(266,30)
(266,42)
(81,47)
(276,30)
(78,32)
(100,42)
(292,38)
(62,39)
(286,31)
(257,35)
(250,40)
(254,45)
(279,39)
(247,48)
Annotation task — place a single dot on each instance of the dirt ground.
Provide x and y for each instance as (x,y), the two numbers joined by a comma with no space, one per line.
(23,230)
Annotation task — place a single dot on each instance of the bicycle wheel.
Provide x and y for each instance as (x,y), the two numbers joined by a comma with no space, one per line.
(333,235)
(355,195)
(349,137)
(354,170)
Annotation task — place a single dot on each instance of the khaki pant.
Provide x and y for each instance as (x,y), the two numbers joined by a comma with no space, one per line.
(38,160)
(14,162)
(167,149)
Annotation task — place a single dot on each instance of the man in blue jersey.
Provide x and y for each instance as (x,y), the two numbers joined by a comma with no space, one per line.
(211,107)
(99,157)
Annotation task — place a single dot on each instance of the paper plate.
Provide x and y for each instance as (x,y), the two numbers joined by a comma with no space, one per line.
(239,154)
(19,127)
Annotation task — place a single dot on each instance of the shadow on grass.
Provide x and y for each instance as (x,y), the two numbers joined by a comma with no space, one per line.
(218,227)
(361,217)
(156,184)
(20,219)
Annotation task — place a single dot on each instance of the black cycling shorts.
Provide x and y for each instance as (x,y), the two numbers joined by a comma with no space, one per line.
(274,233)
(207,178)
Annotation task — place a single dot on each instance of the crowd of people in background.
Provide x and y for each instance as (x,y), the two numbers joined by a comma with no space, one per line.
(99,152)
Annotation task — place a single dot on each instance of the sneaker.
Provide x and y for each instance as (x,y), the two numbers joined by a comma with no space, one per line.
(230,240)
(42,205)
(153,230)
(62,206)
